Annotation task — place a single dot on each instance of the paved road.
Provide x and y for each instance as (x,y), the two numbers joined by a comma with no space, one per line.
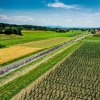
(17,64)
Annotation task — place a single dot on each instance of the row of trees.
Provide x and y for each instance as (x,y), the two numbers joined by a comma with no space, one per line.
(11,30)
(25,27)
(16,29)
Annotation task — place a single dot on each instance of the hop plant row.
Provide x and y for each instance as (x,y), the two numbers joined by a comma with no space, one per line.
(77,78)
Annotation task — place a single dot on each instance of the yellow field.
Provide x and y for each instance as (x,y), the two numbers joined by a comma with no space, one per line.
(47,42)
(11,53)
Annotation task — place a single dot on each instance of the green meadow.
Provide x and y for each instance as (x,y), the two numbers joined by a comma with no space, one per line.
(29,36)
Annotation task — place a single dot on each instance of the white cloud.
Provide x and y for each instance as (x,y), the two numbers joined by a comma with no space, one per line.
(3,17)
(58,4)
(16,19)
(22,18)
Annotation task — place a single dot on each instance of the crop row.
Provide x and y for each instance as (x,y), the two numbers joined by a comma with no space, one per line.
(77,78)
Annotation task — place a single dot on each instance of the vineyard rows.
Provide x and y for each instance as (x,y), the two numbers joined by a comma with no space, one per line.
(77,78)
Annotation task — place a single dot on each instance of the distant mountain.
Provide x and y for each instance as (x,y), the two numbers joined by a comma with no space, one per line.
(52,26)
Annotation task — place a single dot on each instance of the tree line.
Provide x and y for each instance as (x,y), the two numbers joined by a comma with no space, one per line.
(16,29)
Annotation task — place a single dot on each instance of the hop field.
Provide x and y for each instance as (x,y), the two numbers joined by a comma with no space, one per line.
(77,78)
(14,52)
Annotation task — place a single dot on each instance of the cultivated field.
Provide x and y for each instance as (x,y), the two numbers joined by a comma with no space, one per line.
(14,52)
(77,78)
(59,84)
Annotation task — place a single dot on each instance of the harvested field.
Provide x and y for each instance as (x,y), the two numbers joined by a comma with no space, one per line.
(14,52)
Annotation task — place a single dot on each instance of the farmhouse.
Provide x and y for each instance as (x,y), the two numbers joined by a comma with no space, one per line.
(97,30)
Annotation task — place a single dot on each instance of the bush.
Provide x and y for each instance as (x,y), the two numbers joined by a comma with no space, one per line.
(0,30)
(2,46)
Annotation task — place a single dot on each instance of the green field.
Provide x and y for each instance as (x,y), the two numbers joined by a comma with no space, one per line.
(29,36)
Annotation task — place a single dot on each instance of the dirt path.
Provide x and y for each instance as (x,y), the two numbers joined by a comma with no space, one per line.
(32,85)
(33,66)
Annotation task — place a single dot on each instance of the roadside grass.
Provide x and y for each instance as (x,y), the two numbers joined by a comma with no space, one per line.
(12,88)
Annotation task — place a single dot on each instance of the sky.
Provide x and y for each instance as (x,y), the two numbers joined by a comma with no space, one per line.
(67,13)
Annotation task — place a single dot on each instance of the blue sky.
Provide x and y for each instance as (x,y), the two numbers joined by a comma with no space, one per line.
(69,13)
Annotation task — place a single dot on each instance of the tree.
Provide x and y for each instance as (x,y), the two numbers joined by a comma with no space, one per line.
(7,30)
(93,32)
(19,32)
(12,30)
(0,30)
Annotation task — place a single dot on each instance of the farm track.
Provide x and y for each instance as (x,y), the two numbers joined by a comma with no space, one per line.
(11,67)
